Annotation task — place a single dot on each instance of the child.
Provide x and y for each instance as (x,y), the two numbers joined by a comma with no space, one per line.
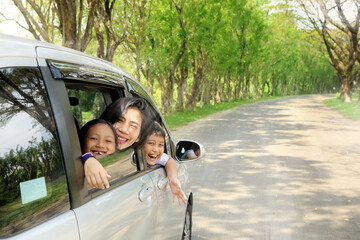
(97,139)
(154,146)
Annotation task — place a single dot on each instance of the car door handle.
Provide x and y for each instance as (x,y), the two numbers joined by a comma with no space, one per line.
(145,193)
(161,184)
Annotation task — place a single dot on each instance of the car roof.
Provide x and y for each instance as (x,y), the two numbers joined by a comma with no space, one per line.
(23,50)
(14,47)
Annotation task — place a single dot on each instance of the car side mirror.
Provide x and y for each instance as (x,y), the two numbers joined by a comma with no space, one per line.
(187,150)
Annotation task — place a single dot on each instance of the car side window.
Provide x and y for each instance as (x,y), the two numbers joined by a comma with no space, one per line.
(88,101)
(33,184)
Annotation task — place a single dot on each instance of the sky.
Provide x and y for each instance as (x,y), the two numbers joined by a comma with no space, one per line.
(21,126)
(10,27)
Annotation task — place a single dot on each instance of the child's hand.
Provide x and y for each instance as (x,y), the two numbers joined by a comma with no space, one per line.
(96,175)
(177,191)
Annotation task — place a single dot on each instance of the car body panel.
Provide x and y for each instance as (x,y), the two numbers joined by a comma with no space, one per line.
(63,226)
(104,218)
(169,212)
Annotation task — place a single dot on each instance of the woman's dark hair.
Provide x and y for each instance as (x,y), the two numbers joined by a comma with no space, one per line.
(153,128)
(88,125)
(118,108)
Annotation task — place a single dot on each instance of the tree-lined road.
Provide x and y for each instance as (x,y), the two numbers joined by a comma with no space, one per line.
(287,169)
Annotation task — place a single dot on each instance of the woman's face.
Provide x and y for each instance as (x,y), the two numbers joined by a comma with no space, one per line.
(128,128)
(100,140)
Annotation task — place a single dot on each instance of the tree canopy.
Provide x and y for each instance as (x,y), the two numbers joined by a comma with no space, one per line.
(190,53)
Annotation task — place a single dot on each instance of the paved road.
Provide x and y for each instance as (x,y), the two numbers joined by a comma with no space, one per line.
(286,169)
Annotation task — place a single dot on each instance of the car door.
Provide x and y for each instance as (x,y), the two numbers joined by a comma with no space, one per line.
(127,210)
(34,202)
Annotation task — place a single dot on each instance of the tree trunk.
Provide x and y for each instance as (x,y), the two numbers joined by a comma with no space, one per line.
(194,93)
(181,82)
(146,71)
(195,88)
(242,85)
(206,86)
(274,84)
(202,91)
(247,86)
(138,66)
(265,83)
(100,50)
(237,88)
(111,48)
(218,90)
(255,86)
(345,90)
(181,96)
(228,88)
(167,90)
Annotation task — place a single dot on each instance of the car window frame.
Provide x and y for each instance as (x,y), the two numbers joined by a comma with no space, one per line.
(78,193)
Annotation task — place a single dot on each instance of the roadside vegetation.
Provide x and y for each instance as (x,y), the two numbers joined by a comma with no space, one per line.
(183,117)
(350,110)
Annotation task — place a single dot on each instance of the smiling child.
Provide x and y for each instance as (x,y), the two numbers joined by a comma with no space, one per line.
(154,146)
(98,139)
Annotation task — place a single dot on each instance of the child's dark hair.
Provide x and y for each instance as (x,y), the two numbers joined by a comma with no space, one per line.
(88,125)
(153,128)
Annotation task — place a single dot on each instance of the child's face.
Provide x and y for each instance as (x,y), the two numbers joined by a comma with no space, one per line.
(154,148)
(128,128)
(100,140)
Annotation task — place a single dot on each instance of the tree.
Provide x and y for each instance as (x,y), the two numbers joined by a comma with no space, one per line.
(139,41)
(169,40)
(206,51)
(338,35)
(46,20)
(110,28)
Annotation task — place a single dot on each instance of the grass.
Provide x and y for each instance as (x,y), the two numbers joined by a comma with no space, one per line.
(350,110)
(183,117)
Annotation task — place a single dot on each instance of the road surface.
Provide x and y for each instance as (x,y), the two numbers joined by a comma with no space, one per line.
(286,168)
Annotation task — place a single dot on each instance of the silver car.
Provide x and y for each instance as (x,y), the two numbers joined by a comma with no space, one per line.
(47,93)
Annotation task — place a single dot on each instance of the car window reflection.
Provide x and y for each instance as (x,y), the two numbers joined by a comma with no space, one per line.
(32,173)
